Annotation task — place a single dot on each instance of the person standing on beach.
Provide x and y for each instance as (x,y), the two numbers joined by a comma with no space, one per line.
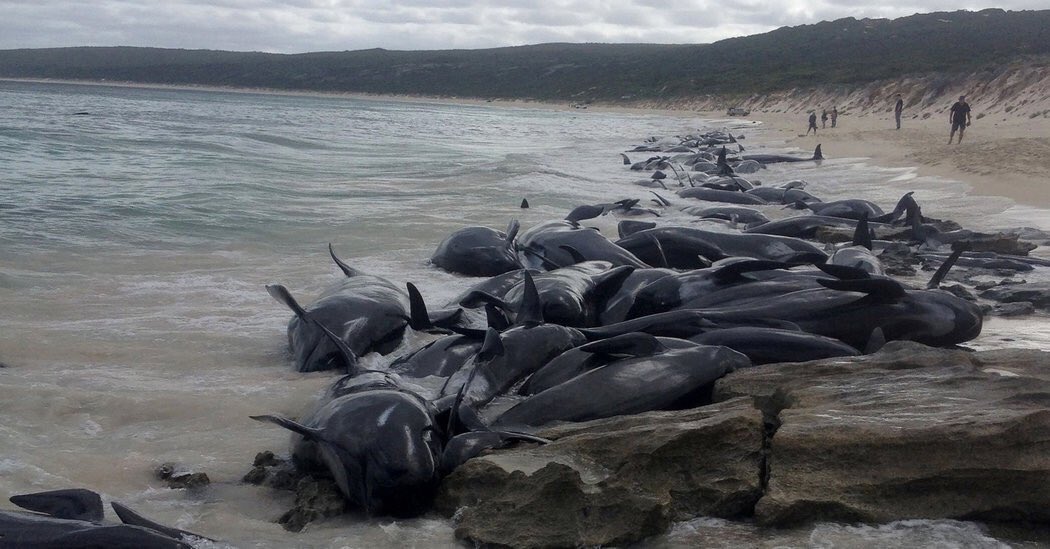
(834,115)
(898,109)
(959,117)
(812,123)
(824,118)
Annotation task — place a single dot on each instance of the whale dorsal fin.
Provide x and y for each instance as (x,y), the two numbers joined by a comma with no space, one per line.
(530,312)
(419,318)
(862,234)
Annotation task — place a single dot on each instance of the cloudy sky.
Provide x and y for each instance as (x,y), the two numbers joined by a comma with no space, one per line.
(293,26)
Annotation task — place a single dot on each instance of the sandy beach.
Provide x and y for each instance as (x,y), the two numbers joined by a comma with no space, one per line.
(1006,157)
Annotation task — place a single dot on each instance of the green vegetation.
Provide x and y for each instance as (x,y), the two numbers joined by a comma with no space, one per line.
(846,51)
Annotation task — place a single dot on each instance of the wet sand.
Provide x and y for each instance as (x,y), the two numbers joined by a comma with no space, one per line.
(999,156)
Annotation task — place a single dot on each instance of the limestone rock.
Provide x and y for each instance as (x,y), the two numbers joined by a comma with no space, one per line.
(176,476)
(911,432)
(314,499)
(1036,293)
(611,481)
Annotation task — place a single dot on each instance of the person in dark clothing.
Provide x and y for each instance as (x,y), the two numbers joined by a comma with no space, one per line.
(959,117)
(824,118)
(898,109)
(834,116)
(812,123)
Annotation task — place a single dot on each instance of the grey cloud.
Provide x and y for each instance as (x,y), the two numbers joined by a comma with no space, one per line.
(314,25)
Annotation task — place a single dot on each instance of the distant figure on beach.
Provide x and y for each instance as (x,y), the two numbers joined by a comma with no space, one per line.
(834,116)
(824,118)
(898,109)
(812,123)
(959,117)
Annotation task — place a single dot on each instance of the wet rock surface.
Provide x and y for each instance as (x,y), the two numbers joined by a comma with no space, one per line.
(176,476)
(611,481)
(909,432)
(1036,293)
(315,499)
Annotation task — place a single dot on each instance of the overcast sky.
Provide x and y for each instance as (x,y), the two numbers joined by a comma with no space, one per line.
(294,26)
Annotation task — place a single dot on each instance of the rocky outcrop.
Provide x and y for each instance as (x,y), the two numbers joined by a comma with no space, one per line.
(1036,293)
(910,432)
(611,481)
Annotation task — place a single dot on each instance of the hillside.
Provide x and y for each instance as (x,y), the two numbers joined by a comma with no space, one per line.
(845,51)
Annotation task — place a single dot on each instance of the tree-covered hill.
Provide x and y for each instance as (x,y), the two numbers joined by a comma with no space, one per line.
(845,51)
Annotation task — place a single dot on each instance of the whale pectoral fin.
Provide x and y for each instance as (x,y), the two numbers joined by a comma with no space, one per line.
(547,263)
(349,358)
(133,518)
(347,270)
(477,298)
(661,257)
(512,230)
(308,432)
(444,319)
(843,272)
(338,469)
(495,318)
(877,289)
(281,294)
(71,504)
(635,344)
(626,161)
(942,271)
(661,200)
(733,271)
(463,447)
(577,257)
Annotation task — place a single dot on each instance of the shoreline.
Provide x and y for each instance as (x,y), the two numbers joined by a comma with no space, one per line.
(1005,157)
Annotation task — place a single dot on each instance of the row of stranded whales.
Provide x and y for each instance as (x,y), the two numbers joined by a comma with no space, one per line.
(76,518)
(567,324)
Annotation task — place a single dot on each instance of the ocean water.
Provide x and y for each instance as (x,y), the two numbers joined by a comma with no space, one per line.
(135,241)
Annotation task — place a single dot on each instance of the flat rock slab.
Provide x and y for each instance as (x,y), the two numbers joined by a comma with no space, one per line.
(1036,293)
(911,432)
(611,481)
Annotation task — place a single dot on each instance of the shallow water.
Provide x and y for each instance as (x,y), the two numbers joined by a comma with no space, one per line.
(135,242)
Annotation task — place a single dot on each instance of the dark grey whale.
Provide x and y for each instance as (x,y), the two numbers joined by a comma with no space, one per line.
(648,377)
(478,251)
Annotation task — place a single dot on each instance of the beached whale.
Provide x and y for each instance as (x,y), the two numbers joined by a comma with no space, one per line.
(542,246)
(368,312)
(778,158)
(771,345)
(649,377)
(478,251)
(718,195)
(684,246)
